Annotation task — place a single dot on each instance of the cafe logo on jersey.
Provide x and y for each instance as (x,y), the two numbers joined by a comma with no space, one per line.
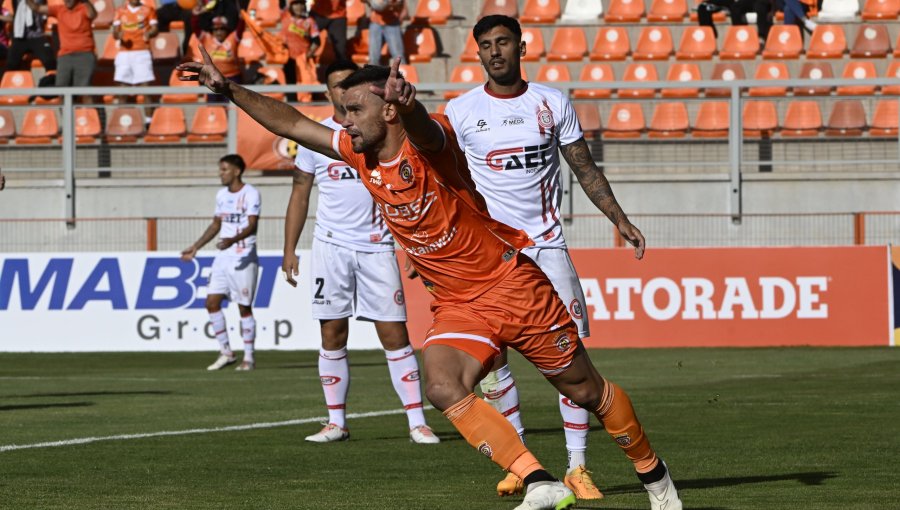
(486,449)
(563,343)
(398,297)
(375,178)
(575,309)
(544,118)
(482,126)
(406,172)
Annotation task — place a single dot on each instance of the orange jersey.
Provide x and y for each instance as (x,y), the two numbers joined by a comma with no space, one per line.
(298,33)
(134,23)
(223,54)
(438,218)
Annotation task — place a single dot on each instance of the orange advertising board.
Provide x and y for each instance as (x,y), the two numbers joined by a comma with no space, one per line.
(263,150)
(724,297)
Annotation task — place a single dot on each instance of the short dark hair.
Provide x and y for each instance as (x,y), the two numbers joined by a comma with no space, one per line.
(375,75)
(492,21)
(340,65)
(234,160)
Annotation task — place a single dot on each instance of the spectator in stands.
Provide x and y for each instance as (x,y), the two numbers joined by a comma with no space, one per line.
(301,35)
(2,181)
(5,17)
(222,46)
(170,11)
(331,15)
(208,10)
(737,10)
(384,25)
(28,37)
(133,26)
(795,13)
(76,41)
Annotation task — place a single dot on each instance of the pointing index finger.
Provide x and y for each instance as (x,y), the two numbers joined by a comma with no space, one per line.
(206,58)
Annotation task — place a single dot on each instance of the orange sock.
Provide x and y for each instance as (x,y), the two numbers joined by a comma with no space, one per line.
(491,434)
(617,415)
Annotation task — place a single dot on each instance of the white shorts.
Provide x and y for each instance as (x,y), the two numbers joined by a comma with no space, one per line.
(346,282)
(234,278)
(557,265)
(134,67)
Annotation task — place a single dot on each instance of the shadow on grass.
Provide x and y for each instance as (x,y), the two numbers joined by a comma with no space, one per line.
(809,478)
(316,366)
(44,406)
(90,394)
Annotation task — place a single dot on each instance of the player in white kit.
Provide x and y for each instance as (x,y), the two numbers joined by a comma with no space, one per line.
(512,133)
(235,268)
(353,271)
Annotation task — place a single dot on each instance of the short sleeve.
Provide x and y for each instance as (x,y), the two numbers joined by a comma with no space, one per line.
(255,204)
(53,10)
(152,16)
(218,211)
(305,161)
(117,19)
(450,112)
(568,127)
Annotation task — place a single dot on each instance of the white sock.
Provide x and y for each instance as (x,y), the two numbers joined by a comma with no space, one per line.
(248,332)
(334,373)
(576,422)
(221,331)
(404,370)
(500,392)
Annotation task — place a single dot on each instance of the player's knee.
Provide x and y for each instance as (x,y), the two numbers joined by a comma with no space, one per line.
(585,394)
(443,394)
(213,306)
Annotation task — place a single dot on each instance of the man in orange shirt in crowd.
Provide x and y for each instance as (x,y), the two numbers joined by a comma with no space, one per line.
(301,35)
(384,25)
(133,26)
(222,46)
(486,294)
(76,59)
(331,15)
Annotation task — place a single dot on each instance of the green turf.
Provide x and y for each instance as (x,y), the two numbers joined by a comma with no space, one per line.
(739,428)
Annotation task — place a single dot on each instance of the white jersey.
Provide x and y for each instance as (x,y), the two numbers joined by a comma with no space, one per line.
(346,215)
(235,209)
(512,147)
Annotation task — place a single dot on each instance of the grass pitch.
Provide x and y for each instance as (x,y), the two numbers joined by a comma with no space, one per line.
(739,428)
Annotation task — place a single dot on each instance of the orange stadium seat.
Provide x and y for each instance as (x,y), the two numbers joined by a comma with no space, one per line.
(358,47)
(611,43)
(38,127)
(166,126)
(697,43)
(885,119)
(433,12)
(273,75)
(568,45)
(125,125)
(589,117)
(638,72)
(741,43)
(872,41)
(880,9)
(827,41)
(760,118)
(16,80)
(712,120)
(109,52)
(420,44)
(506,7)
(540,11)
(718,17)
(179,98)
(165,47)
(803,119)
(441,108)
(667,11)
(670,120)
(624,11)
(858,70)
(847,118)
(683,72)
(268,14)
(87,125)
(210,124)
(626,120)
(553,73)
(534,44)
(7,126)
(783,42)
(725,71)
(893,71)
(250,51)
(464,73)
(598,73)
(814,71)
(356,10)
(654,43)
(470,52)
(410,73)
(770,71)
(317,113)
(106,12)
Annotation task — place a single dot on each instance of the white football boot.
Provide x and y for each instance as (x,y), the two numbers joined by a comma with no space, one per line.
(663,495)
(222,361)
(423,435)
(547,496)
(329,433)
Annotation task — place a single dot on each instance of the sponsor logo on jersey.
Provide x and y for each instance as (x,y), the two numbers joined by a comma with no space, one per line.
(482,126)
(375,178)
(486,449)
(339,171)
(515,121)
(623,439)
(563,343)
(329,380)
(374,238)
(408,212)
(575,309)
(411,377)
(406,172)
(519,158)
(398,297)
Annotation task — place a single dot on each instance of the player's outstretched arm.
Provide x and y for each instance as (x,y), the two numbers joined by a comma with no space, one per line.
(276,116)
(210,233)
(294,221)
(420,128)
(597,187)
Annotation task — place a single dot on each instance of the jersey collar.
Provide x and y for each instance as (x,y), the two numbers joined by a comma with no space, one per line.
(491,93)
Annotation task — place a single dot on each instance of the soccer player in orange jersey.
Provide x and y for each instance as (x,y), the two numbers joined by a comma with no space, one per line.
(486,294)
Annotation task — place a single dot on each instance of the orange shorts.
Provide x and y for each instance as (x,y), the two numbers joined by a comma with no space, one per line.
(522,312)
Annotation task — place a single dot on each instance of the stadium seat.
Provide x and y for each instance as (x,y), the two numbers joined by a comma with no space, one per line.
(125,125)
(638,72)
(783,42)
(441,108)
(165,47)
(697,43)
(595,72)
(358,47)
(356,10)
(741,43)
(589,117)
(106,12)
(87,125)
(568,45)
(626,120)
(464,73)
(667,11)
(166,126)
(669,120)
(585,12)
(540,11)
(433,12)
(885,118)
(267,12)
(179,98)
(838,10)
(712,120)
(827,41)
(858,70)
(654,43)
(802,119)
(506,7)
(770,71)
(760,118)
(624,11)
(410,73)
(420,44)
(110,50)
(470,52)
(534,44)
(552,73)
(250,51)
(683,72)
(16,80)
(725,71)
(847,118)
(317,113)
(880,9)
(210,124)
(611,43)
(872,41)
(273,75)
(893,71)
(7,126)
(38,127)
(193,52)
(814,71)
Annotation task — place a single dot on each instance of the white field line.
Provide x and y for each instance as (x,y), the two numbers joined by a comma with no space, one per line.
(232,428)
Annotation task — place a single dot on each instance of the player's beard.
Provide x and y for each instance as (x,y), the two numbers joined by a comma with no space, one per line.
(508,76)
(371,140)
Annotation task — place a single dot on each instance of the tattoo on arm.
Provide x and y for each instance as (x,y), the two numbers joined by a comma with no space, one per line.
(592,180)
